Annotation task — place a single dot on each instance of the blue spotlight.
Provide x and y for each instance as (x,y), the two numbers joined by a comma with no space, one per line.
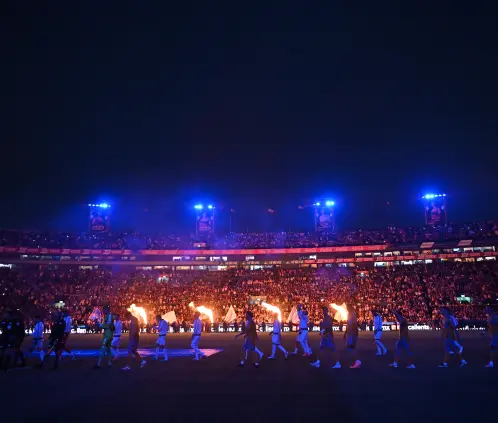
(317,204)
(432,196)
(210,207)
(198,207)
(329,203)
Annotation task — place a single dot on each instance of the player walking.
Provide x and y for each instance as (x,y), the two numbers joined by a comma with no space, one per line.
(327,339)
(302,335)
(5,328)
(377,325)
(250,338)
(67,330)
(19,333)
(196,336)
(276,339)
(56,338)
(13,333)
(37,344)
(108,329)
(134,339)
(493,334)
(403,342)
(116,337)
(449,338)
(458,340)
(351,336)
(162,330)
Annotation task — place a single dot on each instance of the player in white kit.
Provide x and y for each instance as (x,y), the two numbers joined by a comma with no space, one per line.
(116,337)
(196,336)
(37,344)
(69,325)
(377,326)
(162,330)
(276,338)
(302,335)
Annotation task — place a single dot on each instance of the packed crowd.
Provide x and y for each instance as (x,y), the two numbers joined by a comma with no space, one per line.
(391,235)
(416,289)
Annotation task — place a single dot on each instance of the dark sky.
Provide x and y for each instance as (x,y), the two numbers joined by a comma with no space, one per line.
(156,107)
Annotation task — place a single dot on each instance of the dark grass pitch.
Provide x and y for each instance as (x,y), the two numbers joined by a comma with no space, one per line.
(216,390)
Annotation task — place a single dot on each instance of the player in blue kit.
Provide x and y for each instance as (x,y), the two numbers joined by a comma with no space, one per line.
(351,336)
(450,338)
(403,343)
(493,334)
(377,327)
(250,339)
(327,339)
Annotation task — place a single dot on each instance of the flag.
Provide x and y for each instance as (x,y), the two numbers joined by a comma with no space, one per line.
(231,315)
(271,211)
(170,317)
(293,316)
(96,314)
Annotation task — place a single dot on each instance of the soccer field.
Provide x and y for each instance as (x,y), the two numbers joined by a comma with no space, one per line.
(216,390)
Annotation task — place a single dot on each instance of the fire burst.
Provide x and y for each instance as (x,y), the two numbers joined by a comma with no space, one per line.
(203,310)
(138,312)
(273,308)
(341,311)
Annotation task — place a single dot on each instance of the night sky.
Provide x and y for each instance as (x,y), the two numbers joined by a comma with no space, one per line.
(154,108)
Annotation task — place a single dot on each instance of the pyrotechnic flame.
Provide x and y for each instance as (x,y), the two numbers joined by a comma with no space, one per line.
(273,308)
(207,312)
(341,312)
(203,310)
(138,312)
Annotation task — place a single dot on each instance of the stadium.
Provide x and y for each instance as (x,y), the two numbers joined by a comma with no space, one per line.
(441,265)
(419,269)
(229,213)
